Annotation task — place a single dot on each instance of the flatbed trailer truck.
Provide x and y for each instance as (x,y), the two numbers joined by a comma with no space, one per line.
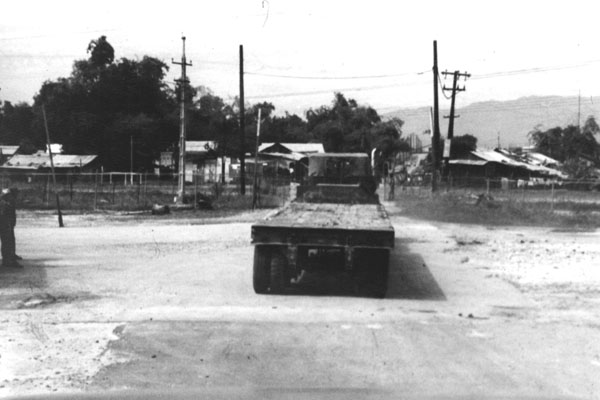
(336,223)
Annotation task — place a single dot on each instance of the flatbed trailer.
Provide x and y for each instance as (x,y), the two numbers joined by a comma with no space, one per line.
(353,238)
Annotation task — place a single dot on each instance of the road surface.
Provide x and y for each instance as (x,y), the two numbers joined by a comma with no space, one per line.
(156,302)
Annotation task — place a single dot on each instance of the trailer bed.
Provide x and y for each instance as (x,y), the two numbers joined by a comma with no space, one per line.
(326,224)
(329,215)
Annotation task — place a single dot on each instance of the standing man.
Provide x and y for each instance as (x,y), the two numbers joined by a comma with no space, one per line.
(8,220)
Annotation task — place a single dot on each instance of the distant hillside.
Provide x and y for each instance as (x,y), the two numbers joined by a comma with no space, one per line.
(512,119)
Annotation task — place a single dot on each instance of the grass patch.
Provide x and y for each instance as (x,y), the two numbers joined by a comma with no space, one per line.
(464,208)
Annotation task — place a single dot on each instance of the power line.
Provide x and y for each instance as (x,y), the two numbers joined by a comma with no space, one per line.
(348,89)
(332,77)
(533,70)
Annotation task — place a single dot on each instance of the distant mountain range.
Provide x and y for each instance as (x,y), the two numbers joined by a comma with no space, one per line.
(506,121)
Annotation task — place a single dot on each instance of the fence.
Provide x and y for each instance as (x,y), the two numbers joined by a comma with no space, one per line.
(138,191)
(555,193)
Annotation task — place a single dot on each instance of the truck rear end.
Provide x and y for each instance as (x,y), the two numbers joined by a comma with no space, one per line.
(335,224)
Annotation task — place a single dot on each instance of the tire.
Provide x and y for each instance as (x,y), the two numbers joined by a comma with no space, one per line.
(371,272)
(380,278)
(278,272)
(262,269)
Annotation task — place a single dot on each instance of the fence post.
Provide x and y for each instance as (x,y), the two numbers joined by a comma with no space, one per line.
(47,190)
(95,191)
(44,191)
(487,186)
(552,202)
(145,179)
(70,179)
(139,189)
(113,193)
(173,186)
(195,190)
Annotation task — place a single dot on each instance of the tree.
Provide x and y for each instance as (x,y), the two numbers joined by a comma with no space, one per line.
(17,124)
(387,139)
(345,126)
(568,143)
(101,52)
(288,128)
(106,103)
(461,146)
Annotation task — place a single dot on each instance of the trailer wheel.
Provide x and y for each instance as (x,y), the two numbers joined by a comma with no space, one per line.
(262,269)
(371,272)
(278,272)
(380,277)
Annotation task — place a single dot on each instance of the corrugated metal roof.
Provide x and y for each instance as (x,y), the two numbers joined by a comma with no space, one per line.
(42,160)
(304,148)
(468,162)
(349,155)
(8,150)
(541,159)
(491,155)
(199,146)
(286,156)
(501,157)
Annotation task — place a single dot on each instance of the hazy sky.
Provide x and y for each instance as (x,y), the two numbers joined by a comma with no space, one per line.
(299,52)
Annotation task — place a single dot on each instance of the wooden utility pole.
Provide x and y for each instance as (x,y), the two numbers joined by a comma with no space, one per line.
(435,138)
(182,82)
(242,126)
(455,89)
(60,217)
(255,185)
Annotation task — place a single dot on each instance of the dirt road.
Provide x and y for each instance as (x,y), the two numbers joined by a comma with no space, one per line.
(160,303)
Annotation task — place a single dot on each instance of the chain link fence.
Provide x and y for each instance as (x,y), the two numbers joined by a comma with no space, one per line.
(139,191)
(553,193)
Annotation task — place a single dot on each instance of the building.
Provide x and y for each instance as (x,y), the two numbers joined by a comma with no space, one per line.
(541,159)
(7,152)
(202,160)
(40,162)
(501,163)
(287,148)
(416,145)
(285,158)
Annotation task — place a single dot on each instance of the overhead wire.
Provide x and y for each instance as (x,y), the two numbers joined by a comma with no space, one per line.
(483,76)
(332,77)
(440,82)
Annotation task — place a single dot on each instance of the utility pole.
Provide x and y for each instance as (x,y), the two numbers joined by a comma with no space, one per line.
(182,82)
(455,89)
(435,138)
(255,184)
(242,126)
(60,217)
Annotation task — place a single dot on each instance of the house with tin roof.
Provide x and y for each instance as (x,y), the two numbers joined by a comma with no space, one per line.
(7,152)
(40,162)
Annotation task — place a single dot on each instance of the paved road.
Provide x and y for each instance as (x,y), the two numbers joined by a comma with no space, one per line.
(155,305)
